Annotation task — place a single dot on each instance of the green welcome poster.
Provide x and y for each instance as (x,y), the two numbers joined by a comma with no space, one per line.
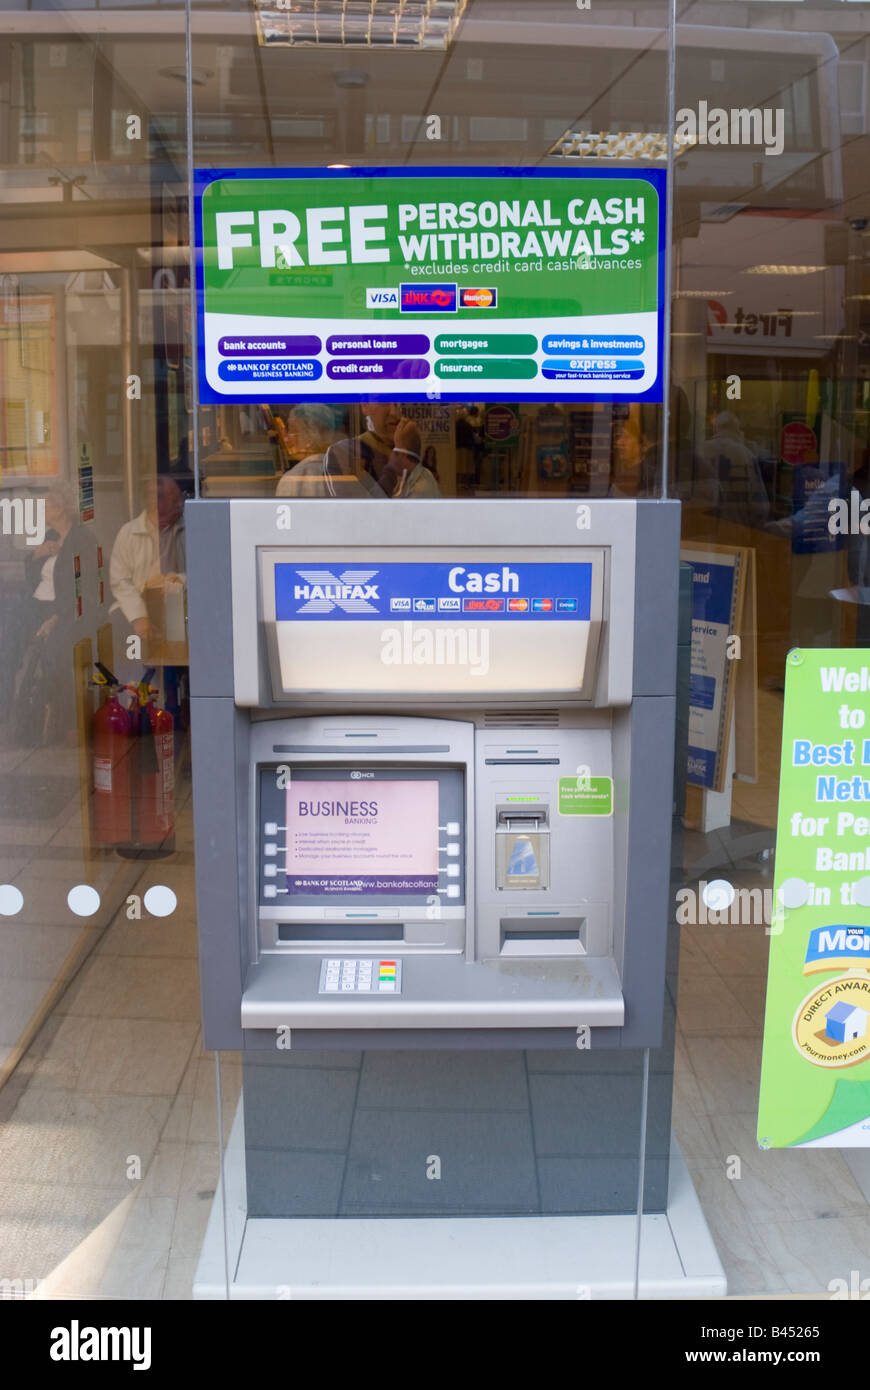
(815,1073)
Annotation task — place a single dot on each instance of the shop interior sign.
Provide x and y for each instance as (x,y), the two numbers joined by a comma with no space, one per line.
(359,284)
(815,1078)
(723,651)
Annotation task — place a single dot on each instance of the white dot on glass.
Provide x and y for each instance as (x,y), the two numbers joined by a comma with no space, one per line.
(794,892)
(718,895)
(160,900)
(11,899)
(861,892)
(83,900)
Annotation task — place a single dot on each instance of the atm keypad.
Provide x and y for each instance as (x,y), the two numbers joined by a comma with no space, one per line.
(360,975)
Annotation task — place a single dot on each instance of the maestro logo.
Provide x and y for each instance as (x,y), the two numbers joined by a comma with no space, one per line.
(428,299)
(478,299)
(322,591)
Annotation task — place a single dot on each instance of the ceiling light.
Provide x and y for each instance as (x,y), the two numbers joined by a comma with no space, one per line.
(783,269)
(622,144)
(163,255)
(702,294)
(359,23)
(37,262)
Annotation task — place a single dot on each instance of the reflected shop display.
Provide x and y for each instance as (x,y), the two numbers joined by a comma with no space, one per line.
(464,896)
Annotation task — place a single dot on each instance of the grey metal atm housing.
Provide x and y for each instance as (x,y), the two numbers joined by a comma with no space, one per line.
(543,921)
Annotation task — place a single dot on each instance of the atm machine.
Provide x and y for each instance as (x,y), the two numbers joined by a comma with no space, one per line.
(432,776)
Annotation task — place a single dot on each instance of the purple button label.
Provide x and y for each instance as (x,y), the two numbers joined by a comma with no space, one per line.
(382,369)
(406,344)
(245,346)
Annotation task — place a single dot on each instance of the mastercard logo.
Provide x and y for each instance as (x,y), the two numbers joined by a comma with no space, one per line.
(478,299)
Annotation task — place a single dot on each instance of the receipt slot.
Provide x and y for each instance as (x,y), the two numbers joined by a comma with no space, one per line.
(432,769)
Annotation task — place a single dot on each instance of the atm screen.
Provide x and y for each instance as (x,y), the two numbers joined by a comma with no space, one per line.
(342,835)
(346,838)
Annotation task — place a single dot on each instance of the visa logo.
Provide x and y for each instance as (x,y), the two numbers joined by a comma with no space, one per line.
(382,299)
(428,299)
(400,605)
(448,605)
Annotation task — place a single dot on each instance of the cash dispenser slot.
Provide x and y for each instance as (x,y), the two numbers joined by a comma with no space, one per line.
(340,931)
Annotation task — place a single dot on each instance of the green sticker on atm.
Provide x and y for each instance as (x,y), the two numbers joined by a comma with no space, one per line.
(585,796)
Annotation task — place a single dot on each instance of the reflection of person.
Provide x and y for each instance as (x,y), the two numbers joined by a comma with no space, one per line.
(629,448)
(149,550)
(690,477)
(382,462)
(742,494)
(418,481)
(389,447)
(311,430)
(392,449)
(42,624)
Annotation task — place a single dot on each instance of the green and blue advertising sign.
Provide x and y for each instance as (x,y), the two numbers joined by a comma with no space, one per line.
(410,284)
(815,1078)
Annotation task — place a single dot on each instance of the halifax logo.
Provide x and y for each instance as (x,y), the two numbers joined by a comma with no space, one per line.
(323,592)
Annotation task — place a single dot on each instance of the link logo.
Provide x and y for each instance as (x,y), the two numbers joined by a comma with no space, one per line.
(323,592)
(428,299)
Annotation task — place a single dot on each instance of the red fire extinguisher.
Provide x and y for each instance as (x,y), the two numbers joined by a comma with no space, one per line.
(112,764)
(153,774)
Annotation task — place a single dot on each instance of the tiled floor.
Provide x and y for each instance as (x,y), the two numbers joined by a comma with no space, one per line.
(108,1150)
(108,1131)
